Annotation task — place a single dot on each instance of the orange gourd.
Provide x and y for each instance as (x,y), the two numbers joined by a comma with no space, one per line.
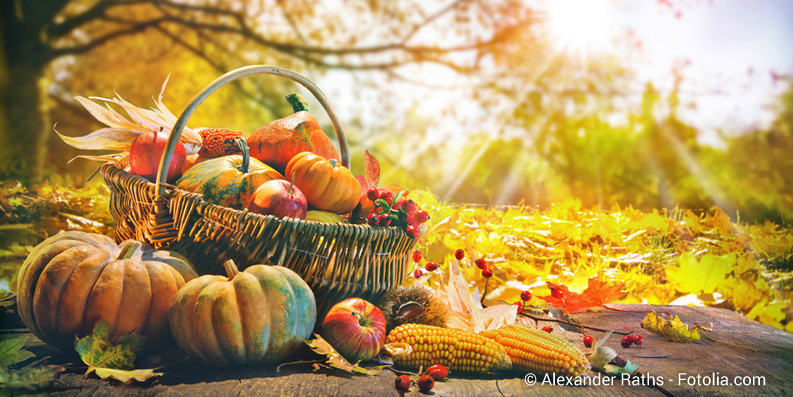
(327,185)
(275,143)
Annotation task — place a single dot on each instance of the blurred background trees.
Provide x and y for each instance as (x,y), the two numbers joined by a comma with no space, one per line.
(468,99)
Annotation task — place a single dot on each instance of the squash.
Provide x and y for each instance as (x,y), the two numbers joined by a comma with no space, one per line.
(229,180)
(275,143)
(323,216)
(327,185)
(74,279)
(259,315)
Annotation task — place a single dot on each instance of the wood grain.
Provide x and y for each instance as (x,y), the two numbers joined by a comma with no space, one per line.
(773,360)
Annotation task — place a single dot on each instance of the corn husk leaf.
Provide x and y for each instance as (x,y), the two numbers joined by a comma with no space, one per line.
(102,139)
(465,310)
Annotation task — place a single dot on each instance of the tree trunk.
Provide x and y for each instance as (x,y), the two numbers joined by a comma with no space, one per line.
(24,130)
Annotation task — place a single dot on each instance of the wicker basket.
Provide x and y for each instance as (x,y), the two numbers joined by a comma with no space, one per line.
(337,261)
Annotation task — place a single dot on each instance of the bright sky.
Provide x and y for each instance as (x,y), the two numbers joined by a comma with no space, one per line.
(734,47)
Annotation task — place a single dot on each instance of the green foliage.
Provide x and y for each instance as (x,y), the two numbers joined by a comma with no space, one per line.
(28,379)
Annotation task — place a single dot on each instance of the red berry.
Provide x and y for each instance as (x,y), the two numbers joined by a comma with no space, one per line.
(588,339)
(372,194)
(525,295)
(385,219)
(547,329)
(402,383)
(431,266)
(459,254)
(422,216)
(487,273)
(638,339)
(417,256)
(388,197)
(417,273)
(480,263)
(627,341)
(425,383)
(437,372)
(408,206)
(556,293)
(519,305)
(412,231)
(372,219)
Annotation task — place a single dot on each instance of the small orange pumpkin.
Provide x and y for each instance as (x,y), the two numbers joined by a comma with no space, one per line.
(327,185)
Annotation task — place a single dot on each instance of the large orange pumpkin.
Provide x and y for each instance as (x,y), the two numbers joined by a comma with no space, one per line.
(74,279)
(259,315)
(275,143)
(327,185)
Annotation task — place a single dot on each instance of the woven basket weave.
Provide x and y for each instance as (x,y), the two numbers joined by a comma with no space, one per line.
(337,261)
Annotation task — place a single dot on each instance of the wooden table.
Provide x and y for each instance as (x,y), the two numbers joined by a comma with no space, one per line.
(770,367)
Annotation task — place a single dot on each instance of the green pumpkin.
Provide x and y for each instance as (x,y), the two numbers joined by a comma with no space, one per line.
(256,316)
(229,180)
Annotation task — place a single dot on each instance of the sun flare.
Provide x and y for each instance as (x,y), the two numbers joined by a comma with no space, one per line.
(579,27)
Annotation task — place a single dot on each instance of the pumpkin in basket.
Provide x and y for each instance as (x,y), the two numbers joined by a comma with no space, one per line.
(229,180)
(259,315)
(327,185)
(277,142)
(74,279)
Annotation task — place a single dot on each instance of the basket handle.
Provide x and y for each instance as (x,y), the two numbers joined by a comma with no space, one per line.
(235,74)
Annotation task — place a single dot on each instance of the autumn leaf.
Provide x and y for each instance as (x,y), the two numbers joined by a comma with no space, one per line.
(371,169)
(593,297)
(674,330)
(12,351)
(109,360)
(320,346)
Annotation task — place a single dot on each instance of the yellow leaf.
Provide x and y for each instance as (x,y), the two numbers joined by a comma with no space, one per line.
(126,376)
(674,330)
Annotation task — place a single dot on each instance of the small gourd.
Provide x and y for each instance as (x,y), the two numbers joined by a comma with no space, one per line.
(327,185)
(229,180)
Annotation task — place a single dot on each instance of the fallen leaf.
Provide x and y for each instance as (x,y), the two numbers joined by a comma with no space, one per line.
(320,346)
(371,169)
(593,297)
(30,379)
(674,330)
(112,360)
(12,351)
(126,376)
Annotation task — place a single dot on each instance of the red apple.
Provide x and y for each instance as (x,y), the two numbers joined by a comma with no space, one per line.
(146,152)
(355,328)
(280,198)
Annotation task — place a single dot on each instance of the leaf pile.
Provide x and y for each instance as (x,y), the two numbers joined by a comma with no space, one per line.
(656,257)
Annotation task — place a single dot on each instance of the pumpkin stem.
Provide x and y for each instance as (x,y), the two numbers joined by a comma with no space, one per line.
(298,103)
(128,248)
(333,163)
(231,269)
(246,154)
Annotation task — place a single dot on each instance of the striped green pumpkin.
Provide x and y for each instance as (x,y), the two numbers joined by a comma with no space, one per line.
(256,316)
(229,180)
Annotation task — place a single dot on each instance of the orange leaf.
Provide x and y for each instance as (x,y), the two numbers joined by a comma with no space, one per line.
(594,296)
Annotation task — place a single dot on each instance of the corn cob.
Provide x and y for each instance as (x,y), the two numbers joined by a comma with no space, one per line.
(533,350)
(455,349)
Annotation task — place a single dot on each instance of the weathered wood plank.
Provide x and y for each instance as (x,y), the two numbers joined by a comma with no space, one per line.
(773,360)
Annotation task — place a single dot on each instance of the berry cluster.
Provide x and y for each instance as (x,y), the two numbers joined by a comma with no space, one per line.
(428,267)
(634,338)
(395,211)
(425,382)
